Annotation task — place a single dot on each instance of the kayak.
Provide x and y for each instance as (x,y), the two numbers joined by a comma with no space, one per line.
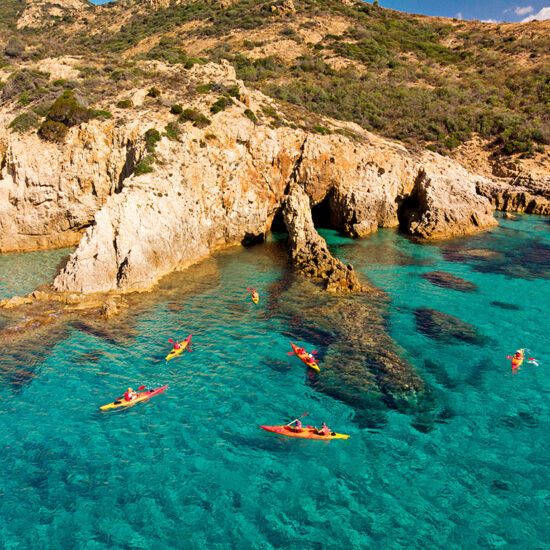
(142,396)
(516,363)
(306,433)
(304,357)
(255,299)
(175,352)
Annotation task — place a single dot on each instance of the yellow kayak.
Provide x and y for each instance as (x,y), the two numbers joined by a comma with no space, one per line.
(142,396)
(183,345)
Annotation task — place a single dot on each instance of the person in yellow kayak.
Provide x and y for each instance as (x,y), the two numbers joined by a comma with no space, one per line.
(130,394)
(325,430)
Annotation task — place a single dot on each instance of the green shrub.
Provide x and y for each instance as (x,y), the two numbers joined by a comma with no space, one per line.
(24,99)
(250,114)
(14,47)
(25,80)
(192,115)
(194,61)
(172,131)
(99,114)
(176,109)
(67,110)
(221,104)
(24,122)
(204,88)
(153,92)
(50,130)
(234,91)
(152,137)
(125,104)
(322,130)
(144,167)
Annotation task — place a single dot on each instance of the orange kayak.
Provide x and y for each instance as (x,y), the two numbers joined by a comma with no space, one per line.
(304,433)
(305,358)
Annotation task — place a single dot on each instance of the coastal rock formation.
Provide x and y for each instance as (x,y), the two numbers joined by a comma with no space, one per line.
(309,250)
(444,204)
(50,193)
(37,13)
(521,195)
(214,186)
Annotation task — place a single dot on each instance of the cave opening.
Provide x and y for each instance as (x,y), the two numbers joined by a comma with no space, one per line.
(322,214)
(278,224)
(407,210)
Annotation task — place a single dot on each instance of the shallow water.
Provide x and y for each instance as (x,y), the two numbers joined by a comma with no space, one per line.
(191,469)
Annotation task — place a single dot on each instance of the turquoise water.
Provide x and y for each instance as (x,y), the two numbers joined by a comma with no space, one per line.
(191,469)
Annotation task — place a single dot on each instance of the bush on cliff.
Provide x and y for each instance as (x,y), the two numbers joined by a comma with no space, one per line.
(67,110)
(125,104)
(192,115)
(152,137)
(14,47)
(144,167)
(25,80)
(250,114)
(221,104)
(51,130)
(24,122)
(176,109)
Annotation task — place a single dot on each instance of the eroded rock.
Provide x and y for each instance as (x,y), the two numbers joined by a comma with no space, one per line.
(309,250)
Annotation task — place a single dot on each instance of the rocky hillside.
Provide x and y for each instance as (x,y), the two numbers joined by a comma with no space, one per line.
(427,81)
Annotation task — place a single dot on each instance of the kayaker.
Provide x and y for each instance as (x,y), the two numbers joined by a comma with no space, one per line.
(310,358)
(130,394)
(297,428)
(177,345)
(255,294)
(324,430)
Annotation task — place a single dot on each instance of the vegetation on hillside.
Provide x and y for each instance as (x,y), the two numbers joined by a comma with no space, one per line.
(425,81)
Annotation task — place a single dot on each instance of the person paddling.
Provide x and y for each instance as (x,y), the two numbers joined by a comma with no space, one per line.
(297,428)
(130,394)
(325,430)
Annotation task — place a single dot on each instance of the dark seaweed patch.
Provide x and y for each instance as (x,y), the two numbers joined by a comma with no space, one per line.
(505,305)
(446,280)
(446,328)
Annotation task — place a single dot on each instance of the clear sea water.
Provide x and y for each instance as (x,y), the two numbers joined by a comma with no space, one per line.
(191,469)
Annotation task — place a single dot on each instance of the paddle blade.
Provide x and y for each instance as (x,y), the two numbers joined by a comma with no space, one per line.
(290,353)
(508,357)
(141,388)
(314,351)
(248,289)
(172,341)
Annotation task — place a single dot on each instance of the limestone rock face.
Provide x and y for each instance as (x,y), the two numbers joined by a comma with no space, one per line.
(213,187)
(523,194)
(309,250)
(445,204)
(49,193)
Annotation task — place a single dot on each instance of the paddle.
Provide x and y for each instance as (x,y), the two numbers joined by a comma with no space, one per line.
(296,419)
(292,353)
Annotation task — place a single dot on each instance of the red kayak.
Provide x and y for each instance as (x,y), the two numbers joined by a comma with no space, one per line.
(304,433)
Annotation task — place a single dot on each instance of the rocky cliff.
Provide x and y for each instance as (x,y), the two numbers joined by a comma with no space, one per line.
(214,186)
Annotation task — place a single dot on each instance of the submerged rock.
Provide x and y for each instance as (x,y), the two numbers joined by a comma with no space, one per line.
(446,328)
(505,305)
(447,280)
